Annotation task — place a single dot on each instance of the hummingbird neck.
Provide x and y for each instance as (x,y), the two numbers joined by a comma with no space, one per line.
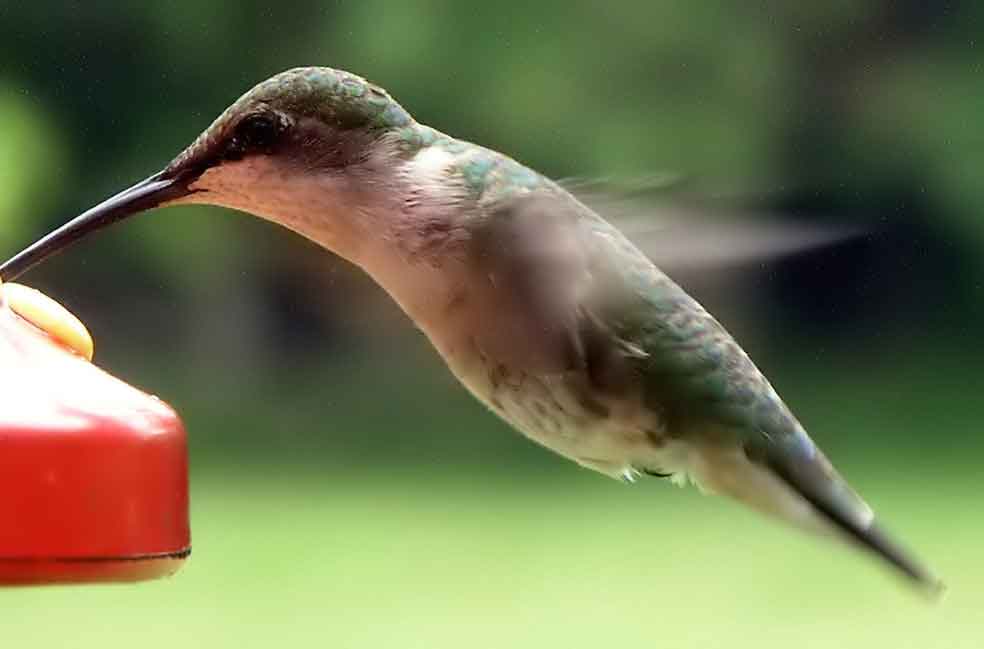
(331,209)
(395,218)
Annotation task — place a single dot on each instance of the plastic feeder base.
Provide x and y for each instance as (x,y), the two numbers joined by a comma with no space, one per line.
(93,472)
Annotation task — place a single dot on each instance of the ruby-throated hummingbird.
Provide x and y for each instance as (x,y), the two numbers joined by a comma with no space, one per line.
(541,308)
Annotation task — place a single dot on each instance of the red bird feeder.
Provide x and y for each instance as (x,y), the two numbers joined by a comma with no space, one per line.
(93,472)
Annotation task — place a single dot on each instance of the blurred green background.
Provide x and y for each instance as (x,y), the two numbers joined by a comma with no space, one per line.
(347,493)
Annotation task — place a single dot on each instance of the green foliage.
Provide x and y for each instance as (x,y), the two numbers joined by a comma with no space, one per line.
(31,151)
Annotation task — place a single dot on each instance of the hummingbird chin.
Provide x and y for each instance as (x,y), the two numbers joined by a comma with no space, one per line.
(541,308)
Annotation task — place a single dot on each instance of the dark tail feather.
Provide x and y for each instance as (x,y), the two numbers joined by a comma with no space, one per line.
(812,477)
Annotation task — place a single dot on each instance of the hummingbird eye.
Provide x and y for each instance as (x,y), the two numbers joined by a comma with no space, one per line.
(256,132)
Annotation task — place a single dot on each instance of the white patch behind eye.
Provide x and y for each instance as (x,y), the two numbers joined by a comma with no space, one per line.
(430,165)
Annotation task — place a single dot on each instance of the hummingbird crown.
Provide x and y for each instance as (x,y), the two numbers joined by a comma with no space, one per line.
(335,97)
(335,100)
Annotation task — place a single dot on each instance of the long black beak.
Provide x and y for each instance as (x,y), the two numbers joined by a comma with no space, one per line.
(146,194)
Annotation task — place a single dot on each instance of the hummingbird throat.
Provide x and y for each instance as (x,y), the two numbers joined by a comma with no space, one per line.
(317,205)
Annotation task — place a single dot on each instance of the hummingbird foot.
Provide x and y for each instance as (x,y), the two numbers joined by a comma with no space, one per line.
(629,475)
(657,474)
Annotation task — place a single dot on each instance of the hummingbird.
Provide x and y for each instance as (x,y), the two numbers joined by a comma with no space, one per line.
(545,311)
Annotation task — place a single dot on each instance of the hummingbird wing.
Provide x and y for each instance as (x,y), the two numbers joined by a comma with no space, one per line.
(638,335)
(687,233)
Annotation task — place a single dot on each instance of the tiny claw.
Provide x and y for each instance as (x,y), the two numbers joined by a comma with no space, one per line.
(657,474)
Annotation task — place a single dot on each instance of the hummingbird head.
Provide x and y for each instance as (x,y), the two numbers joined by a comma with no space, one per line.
(294,149)
(310,119)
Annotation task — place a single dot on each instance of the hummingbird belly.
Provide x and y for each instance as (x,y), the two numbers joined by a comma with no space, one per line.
(518,359)
(559,411)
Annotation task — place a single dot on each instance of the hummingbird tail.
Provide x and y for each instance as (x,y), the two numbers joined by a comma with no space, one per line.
(843,514)
(793,481)
(804,468)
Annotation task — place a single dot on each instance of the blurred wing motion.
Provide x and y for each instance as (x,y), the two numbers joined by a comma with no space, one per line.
(687,235)
(650,381)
